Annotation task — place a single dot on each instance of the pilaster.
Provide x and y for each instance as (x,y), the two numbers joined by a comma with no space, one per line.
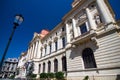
(74,27)
(67,33)
(91,21)
(59,43)
(36,48)
(32,51)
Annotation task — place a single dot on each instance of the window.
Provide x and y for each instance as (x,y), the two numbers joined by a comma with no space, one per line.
(8,68)
(50,48)
(49,66)
(64,64)
(56,46)
(45,50)
(43,67)
(12,68)
(83,28)
(88,58)
(63,29)
(41,52)
(55,65)
(63,42)
(39,68)
(56,33)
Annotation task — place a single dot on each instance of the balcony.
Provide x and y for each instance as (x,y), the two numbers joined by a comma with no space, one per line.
(84,37)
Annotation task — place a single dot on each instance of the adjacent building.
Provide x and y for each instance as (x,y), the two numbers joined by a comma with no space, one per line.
(21,69)
(9,67)
(85,43)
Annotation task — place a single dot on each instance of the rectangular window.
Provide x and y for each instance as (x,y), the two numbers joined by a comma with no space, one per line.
(56,46)
(45,50)
(83,28)
(50,48)
(63,29)
(63,42)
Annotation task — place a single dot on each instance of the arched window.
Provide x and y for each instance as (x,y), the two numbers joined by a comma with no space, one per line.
(55,65)
(64,64)
(39,68)
(88,58)
(43,67)
(49,66)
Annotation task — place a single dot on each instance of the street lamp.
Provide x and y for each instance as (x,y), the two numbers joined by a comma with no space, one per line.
(17,21)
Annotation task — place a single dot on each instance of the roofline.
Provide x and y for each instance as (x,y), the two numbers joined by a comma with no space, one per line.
(54,29)
(73,9)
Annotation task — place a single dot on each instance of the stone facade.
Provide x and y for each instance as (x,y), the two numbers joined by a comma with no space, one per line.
(85,43)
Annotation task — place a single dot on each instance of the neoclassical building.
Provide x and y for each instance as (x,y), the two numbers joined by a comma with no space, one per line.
(9,67)
(85,43)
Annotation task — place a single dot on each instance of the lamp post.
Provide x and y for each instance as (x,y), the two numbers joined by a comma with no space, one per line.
(18,20)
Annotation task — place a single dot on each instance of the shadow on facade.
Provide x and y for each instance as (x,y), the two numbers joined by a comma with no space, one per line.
(118,77)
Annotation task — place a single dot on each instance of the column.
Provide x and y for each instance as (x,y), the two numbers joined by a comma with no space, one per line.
(28,54)
(15,66)
(46,67)
(32,51)
(48,49)
(59,43)
(91,21)
(53,46)
(105,12)
(38,50)
(60,63)
(52,65)
(74,28)
(35,51)
(67,33)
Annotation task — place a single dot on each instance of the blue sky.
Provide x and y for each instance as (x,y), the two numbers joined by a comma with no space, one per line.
(38,15)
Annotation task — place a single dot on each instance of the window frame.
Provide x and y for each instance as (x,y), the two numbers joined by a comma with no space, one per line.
(88,58)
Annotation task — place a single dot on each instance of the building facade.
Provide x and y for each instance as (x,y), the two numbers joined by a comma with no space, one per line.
(9,67)
(85,43)
(21,69)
